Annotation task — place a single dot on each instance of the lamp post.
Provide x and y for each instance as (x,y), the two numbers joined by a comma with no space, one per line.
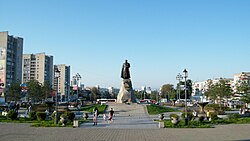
(185,73)
(66,91)
(179,78)
(57,75)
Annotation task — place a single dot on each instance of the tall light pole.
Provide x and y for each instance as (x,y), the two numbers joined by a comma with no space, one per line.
(179,78)
(185,73)
(57,75)
(66,91)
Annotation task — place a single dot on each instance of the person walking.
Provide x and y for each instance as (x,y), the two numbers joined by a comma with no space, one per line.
(104,117)
(95,114)
(208,115)
(111,113)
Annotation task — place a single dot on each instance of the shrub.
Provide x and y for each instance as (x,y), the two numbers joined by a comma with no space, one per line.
(12,115)
(32,115)
(70,115)
(41,116)
(214,116)
(201,119)
(58,116)
(233,116)
(190,116)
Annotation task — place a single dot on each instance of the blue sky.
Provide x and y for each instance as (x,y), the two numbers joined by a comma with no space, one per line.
(160,38)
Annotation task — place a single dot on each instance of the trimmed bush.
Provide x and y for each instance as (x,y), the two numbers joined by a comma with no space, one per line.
(58,116)
(41,116)
(32,115)
(190,116)
(174,116)
(201,119)
(216,107)
(233,116)
(214,116)
(70,115)
(12,115)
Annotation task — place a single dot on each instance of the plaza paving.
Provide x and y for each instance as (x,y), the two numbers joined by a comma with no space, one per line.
(131,123)
(23,132)
(132,116)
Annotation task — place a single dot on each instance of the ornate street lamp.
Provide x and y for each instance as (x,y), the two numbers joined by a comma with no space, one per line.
(185,74)
(57,75)
(77,77)
(179,77)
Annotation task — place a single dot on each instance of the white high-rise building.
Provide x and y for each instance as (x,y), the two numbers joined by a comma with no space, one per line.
(63,84)
(240,77)
(11,51)
(37,67)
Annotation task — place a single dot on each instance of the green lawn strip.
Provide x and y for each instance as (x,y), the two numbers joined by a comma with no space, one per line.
(155,109)
(191,124)
(206,124)
(18,120)
(50,123)
(89,108)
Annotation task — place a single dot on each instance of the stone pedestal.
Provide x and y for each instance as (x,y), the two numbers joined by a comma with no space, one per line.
(126,92)
(161,124)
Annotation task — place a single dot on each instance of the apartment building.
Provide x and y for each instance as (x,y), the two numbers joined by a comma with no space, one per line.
(199,88)
(62,84)
(37,67)
(11,50)
(240,77)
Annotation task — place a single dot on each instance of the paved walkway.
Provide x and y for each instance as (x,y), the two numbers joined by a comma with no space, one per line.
(23,132)
(132,116)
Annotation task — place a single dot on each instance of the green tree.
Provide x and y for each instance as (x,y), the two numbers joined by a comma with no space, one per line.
(166,89)
(219,90)
(94,94)
(34,90)
(137,94)
(154,95)
(46,90)
(14,92)
(189,88)
(244,87)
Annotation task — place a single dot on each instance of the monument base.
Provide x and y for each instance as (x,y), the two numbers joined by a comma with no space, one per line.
(126,93)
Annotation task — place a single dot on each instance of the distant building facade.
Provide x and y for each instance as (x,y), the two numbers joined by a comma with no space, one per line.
(239,78)
(63,83)
(37,67)
(199,88)
(11,51)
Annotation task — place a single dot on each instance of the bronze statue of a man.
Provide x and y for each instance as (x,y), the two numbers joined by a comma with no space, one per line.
(125,70)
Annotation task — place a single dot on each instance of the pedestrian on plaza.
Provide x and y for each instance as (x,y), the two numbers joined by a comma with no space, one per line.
(104,117)
(47,114)
(111,113)
(95,118)
(241,110)
(96,110)
(195,113)
(30,109)
(208,114)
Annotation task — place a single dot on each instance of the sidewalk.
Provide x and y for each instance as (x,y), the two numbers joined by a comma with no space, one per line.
(126,116)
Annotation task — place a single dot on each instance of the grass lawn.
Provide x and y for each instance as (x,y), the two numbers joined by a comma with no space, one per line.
(155,109)
(207,124)
(18,120)
(89,108)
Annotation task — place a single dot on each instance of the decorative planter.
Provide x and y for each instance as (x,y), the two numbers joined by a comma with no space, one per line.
(161,117)
(222,116)
(175,121)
